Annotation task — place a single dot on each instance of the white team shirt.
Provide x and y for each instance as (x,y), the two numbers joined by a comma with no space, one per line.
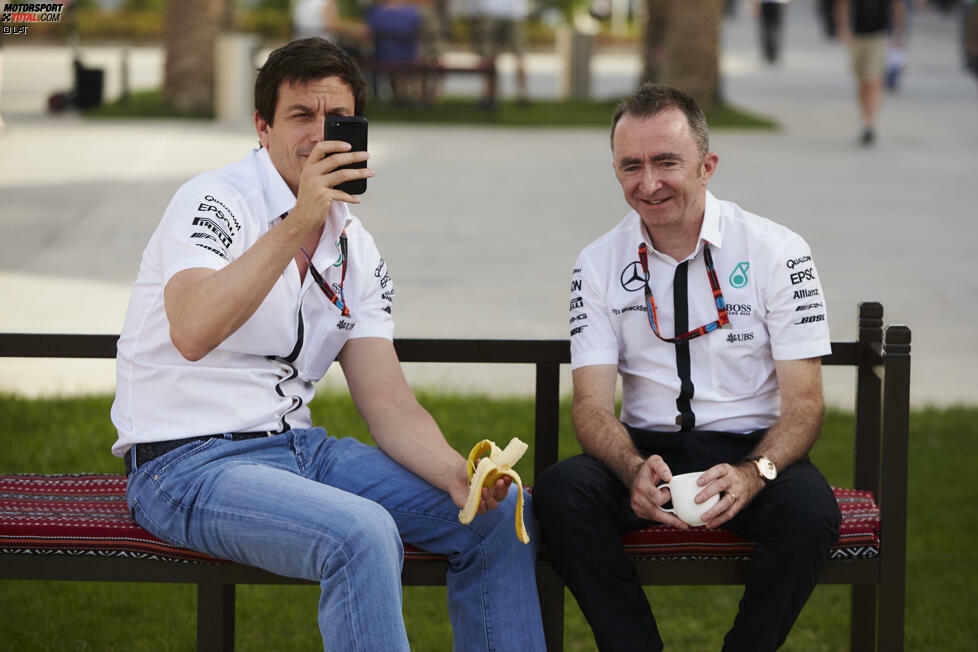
(774,301)
(262,376)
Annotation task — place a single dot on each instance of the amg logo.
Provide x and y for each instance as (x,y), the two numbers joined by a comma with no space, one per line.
(808,306)
(215,228)
(577,302)
(804,294)
(579,317)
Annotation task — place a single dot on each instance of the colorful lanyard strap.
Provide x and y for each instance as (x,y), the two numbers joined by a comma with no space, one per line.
(722,321)
(337,300)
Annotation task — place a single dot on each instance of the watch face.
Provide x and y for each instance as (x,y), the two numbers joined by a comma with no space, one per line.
(767,468)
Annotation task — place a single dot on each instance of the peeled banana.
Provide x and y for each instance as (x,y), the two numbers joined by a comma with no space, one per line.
(487,471)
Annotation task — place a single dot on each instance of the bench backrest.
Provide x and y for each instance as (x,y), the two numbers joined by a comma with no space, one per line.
(881,411)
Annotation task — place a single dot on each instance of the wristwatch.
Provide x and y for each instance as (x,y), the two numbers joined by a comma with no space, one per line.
(765,468)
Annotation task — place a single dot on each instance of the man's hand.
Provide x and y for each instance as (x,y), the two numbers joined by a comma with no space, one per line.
(490,498)
(647,497)
(741,483)
(319,178)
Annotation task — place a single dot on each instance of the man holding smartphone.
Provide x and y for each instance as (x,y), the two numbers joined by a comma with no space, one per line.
(256,280)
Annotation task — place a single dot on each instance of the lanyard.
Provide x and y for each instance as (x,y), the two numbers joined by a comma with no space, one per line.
(722,321)
(337,300)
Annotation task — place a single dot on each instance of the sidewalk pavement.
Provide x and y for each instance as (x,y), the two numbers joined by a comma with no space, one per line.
(481,226)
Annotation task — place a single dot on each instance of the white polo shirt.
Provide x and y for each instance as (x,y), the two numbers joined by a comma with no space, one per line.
(262,376)
(774,300)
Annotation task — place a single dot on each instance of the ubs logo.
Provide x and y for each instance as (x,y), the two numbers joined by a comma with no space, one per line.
(633,278)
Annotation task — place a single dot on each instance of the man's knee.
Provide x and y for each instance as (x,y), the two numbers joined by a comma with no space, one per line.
(552,486)
(812,517)
(370,539)
(572,488)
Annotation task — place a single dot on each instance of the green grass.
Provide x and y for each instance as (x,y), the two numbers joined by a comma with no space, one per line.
(71,435)
(143,104)
(455,110)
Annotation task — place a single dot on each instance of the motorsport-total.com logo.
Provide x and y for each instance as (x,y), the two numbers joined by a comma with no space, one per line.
(22,14)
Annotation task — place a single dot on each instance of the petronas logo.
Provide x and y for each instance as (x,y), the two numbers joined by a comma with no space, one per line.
(738,277)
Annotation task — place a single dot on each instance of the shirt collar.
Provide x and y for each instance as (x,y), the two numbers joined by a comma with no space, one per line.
(279,200)
(710,230)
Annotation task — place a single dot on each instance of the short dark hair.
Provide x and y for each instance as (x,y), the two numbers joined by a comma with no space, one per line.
(652,99)
(300,62)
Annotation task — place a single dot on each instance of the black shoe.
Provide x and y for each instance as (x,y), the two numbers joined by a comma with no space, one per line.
(868,137)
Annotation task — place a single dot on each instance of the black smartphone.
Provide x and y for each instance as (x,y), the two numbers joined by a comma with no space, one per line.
(351,129)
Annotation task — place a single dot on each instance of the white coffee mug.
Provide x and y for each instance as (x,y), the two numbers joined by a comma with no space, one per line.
(683,489)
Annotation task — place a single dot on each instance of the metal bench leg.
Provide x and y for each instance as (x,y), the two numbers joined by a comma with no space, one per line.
(862,635)
(551,591)
(215,618)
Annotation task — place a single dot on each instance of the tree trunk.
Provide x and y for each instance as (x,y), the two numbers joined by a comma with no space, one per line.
(191,32)
(653,42)
(682,47)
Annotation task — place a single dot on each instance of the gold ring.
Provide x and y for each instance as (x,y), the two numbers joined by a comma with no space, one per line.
(732,495)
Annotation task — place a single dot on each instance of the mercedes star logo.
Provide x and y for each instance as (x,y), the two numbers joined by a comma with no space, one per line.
(632,277)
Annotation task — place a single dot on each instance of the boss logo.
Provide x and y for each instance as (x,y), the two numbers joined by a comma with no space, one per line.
(811,319)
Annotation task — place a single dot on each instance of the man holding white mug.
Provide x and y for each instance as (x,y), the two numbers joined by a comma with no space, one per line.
(714,319)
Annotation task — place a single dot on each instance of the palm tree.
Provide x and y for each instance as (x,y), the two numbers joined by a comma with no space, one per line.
(682,46)
(192,28)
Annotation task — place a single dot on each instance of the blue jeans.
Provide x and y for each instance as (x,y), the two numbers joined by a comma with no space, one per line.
(303,504)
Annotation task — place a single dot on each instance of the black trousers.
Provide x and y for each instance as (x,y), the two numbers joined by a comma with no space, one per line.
(771,28)
(583,507)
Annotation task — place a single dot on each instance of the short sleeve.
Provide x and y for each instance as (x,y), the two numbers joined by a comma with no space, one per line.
(375,305)
(202,227)
(592,337)
(797,319)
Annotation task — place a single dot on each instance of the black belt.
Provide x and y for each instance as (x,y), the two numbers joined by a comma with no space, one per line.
(144,453)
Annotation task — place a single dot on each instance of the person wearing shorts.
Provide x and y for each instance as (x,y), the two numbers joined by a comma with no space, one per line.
(865,26)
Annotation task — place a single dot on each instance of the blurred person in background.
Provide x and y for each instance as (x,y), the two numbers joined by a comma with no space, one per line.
(501,27)
(969,34)
(395,29)
(770,15)
(322,18)
(868,27)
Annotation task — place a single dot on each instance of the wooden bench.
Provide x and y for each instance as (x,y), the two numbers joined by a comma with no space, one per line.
(880,357)
(431,72)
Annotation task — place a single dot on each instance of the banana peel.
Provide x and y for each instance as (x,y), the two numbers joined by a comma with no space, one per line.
(485,471)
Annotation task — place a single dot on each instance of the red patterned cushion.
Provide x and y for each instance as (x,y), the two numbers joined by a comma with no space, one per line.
(86,514)
(859,536)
